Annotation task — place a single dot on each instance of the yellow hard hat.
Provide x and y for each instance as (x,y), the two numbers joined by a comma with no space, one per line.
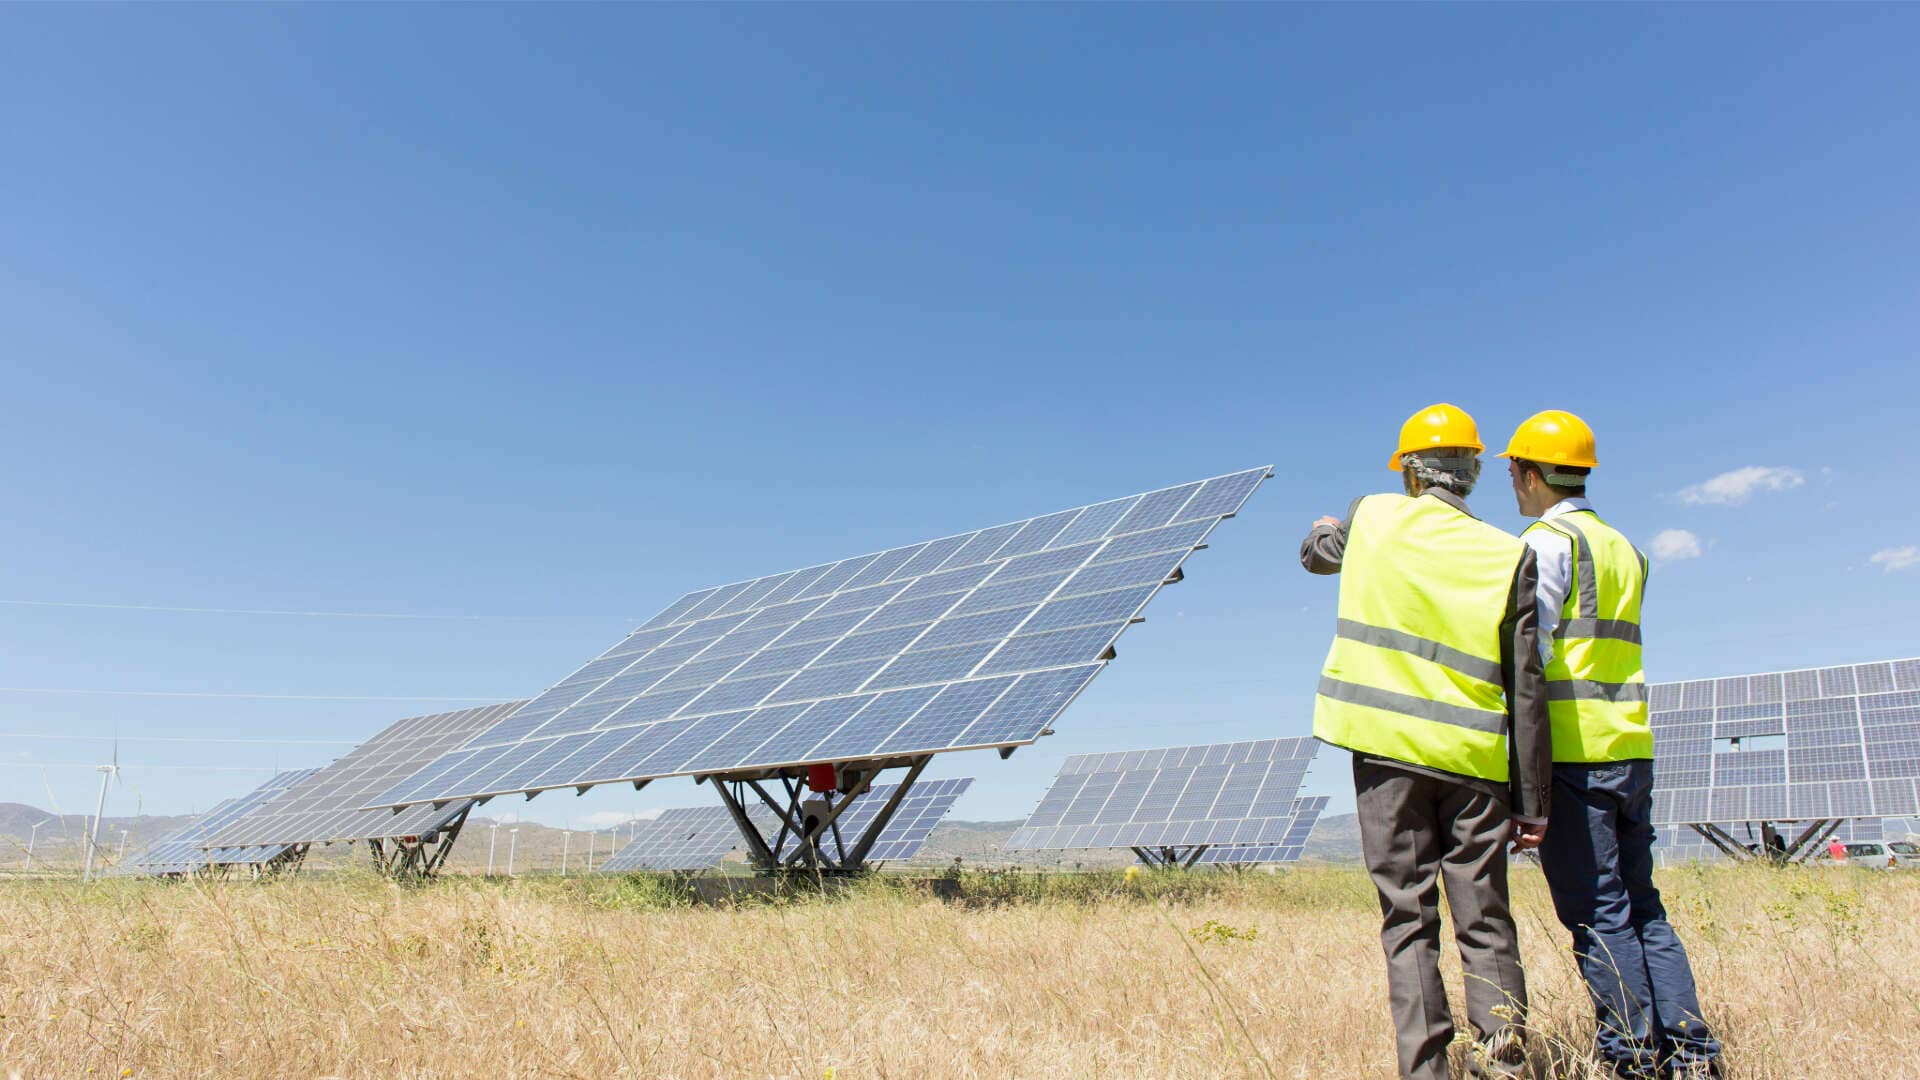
(1553,437)
(1436,426)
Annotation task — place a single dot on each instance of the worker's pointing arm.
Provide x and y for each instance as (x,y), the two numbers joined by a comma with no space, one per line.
(1326,543)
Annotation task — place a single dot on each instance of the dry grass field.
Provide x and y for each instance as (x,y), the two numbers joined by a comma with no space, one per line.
(1807,973)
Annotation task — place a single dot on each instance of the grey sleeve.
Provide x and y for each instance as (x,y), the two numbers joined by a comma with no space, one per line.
(1321,552)
(1530,745)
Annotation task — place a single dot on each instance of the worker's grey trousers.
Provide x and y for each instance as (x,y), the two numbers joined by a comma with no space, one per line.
(1417,831)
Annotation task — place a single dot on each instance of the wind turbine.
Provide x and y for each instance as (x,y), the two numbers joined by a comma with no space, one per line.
(107,773)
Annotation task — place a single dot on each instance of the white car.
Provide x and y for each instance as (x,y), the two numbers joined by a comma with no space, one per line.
(1891,855)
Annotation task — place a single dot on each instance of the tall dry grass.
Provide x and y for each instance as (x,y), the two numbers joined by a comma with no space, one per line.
(1805,973)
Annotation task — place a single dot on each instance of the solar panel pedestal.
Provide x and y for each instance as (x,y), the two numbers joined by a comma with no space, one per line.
(417,857)
(808,837)
(1182,857)
(1805,844)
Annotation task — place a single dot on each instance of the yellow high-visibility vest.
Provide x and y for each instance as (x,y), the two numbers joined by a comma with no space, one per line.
(1414,673)
(1596,686)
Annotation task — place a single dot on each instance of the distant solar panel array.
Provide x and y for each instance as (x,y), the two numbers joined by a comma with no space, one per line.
(325,807)
(187,850)
(1238,793)
(695,838)
(974,640)
(1812,744)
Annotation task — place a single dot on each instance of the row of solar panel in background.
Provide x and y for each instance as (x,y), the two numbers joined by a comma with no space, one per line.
(182,851)
(1306,814)
(1779,802)
(1049,592)
(325,807)
(694,838)
(989,712)
(1136,797)
(1781,686)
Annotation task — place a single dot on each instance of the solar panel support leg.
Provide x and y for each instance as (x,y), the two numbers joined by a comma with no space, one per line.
(1194,856)
(1810,840)
(809,852)
(1718,837)
(757,850)
(880,820)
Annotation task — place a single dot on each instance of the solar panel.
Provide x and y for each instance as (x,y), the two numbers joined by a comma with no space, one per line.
(970,641)
(1239,793)
(688,838)
(183,851)
(326,806)
(1813,744)
(694,838)
(1306,812)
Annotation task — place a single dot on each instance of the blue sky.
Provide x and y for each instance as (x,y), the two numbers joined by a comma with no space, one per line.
(543,316)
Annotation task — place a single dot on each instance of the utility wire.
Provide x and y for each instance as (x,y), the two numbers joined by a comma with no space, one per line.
(242,694)
(142,768)
(176,738)
(304,614)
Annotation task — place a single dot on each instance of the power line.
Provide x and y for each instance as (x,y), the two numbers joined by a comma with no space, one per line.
(399,615)
(142,768)
(242,694)
(176,738)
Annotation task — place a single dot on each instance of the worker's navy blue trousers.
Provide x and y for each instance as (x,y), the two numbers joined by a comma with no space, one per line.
(1598,857)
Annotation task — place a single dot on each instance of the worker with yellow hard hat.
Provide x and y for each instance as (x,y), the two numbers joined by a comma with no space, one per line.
(1598,859)
(1434,684)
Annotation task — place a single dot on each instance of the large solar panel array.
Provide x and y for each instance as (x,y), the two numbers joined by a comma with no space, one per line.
(1804,745)
(976,640)
(1181,796)
(184,851)
(694,838)
(1306,812)
(326,806)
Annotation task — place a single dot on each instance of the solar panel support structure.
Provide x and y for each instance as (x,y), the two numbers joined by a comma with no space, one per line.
(416,857)
(1798,851)
(1182,857)
(807,838)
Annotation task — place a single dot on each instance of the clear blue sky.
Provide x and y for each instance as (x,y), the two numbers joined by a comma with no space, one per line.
(549,314)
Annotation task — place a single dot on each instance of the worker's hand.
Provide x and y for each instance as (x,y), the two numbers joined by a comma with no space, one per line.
(1526,835)
(1326,521)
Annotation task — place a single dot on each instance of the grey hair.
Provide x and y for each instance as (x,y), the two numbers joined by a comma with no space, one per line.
(1456,469)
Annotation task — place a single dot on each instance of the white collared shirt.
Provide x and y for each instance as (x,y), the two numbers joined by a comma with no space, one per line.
(1554,554)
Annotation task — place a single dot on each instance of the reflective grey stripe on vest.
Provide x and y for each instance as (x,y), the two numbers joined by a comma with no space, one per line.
(1583,552)
(1610,629)
(1588,690)
(1425,648)
(1492,723)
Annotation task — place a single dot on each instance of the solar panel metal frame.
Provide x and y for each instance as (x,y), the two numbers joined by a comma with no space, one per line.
(183,851)
(1083,807)
(882,659)
(698,838)
(326,806)
(1850,745)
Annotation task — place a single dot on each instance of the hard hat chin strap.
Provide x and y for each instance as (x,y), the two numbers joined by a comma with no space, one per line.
(1456,470)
